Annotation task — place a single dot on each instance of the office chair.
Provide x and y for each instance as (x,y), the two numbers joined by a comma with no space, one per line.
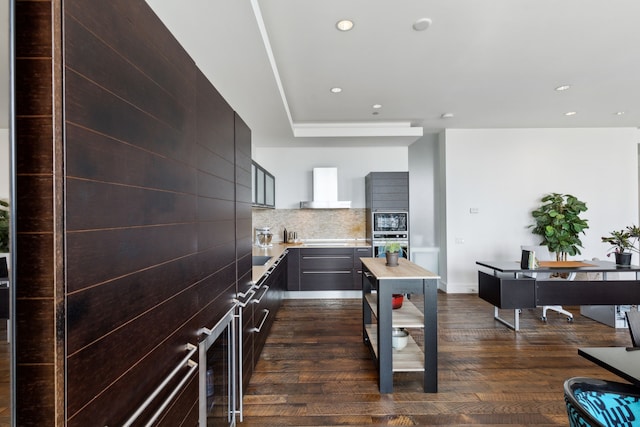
(593,402)
(542,254)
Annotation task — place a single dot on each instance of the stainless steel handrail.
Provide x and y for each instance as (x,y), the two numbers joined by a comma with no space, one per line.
(192,349)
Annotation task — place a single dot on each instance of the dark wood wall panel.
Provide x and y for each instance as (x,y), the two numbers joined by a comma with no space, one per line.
(35,152)
(91,106)
(94,257)
(155,211)
(215,209)
(38,149)
(98,310)
(35,395)
(132,30)
(92,156)
(123,78)
(215,187)
(143,206)
(215,122)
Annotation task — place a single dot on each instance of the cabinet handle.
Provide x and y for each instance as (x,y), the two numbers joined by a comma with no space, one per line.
(327,272)
(264,319)
(259,300)
(327,257)
(248,297)
(186,360)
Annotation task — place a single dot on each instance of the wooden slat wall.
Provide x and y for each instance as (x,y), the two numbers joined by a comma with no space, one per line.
(38,341)
(153,205)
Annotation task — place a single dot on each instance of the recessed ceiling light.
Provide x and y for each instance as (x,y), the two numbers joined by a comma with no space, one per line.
(376,106)
(446,115)
(336,89)
(344,25)
(422,24)
(570,113)
(619,113)
(563,88)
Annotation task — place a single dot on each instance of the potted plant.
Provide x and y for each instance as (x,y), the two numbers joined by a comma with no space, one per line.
(4,226)
(559,224)
(623,244)
(392,253)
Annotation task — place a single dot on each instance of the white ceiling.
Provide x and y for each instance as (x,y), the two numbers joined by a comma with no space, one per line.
(491,63)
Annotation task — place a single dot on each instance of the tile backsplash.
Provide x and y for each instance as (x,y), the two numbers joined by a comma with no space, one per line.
(313,223)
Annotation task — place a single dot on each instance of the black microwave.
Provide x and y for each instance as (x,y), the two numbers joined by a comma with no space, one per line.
(388,225)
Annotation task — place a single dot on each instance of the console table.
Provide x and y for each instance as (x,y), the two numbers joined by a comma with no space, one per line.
(509,286)
(379,282)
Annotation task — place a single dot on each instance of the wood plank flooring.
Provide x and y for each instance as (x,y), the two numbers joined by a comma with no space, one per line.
(316,371)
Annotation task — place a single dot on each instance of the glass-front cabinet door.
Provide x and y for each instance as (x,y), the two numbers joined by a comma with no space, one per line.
(264,187)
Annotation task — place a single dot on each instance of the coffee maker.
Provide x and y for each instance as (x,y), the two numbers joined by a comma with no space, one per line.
(263,237)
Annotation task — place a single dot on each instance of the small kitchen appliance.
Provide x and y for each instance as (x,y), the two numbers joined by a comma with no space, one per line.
(263,237)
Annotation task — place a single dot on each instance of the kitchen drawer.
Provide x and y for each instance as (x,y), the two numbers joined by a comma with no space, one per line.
(361,253)
(326,259)
(326,281)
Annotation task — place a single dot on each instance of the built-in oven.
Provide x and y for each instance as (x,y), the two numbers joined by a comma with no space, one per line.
(390,225)
(379,247)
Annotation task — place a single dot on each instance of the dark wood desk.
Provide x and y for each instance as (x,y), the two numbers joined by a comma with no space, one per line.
(625,364)
(508,286)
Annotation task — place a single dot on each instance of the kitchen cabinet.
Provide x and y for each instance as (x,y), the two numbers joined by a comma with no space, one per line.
(326,268)
(387,191)
(357,264)
(264,187)
(258,316)
(379,283)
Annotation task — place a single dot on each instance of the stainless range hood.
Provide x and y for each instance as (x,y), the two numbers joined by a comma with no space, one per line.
(325,191)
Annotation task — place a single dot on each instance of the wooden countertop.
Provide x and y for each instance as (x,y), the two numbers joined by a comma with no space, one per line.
(405,270)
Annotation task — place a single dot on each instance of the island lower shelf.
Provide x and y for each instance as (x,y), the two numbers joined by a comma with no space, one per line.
(409,359)
(407,316)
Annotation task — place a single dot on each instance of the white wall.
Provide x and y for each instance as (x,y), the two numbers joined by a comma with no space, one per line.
(293,168)
(504,173)
(4,164)
(422,161)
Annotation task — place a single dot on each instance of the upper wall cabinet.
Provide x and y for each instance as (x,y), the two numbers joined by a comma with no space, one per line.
(264,187)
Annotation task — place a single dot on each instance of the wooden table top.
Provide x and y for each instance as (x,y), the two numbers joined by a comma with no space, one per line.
(405,269)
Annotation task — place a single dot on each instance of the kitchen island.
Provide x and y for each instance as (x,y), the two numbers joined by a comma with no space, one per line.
(379,283)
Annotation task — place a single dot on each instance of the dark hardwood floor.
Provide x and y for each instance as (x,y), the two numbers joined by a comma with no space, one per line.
(316,371)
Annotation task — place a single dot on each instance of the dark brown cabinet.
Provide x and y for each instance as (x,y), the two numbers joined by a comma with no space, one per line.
(326,268)
(259,314)
(387,191)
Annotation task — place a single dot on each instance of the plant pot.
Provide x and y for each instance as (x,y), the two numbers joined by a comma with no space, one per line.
(392,259)
(623,259)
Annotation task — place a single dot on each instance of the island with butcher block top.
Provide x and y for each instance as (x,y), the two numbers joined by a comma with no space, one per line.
(379,283)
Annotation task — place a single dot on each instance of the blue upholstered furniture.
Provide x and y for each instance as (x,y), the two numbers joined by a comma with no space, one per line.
(593,402)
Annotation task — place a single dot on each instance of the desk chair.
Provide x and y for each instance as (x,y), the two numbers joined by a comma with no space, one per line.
(542,254)
(593,402)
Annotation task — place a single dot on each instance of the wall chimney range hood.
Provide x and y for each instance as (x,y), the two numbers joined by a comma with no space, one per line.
(325,191)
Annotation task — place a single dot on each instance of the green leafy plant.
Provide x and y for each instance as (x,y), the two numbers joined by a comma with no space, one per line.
(4,226)
(559,224)
(393,247)
(624,240)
